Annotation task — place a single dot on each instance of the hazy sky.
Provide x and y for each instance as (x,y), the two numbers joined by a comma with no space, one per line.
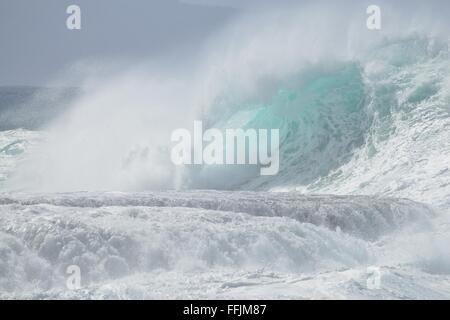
(35,43)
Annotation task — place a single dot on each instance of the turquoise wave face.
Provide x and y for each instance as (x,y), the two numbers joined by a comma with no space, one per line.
(321,116)
(339,121)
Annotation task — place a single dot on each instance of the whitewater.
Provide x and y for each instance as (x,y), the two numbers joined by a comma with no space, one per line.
(364,179)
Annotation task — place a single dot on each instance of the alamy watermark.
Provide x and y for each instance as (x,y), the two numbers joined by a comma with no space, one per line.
(230,147)
(373,21)
(73,21)
(73,281)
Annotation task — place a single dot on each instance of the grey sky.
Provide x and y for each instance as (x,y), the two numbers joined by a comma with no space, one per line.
(35,44)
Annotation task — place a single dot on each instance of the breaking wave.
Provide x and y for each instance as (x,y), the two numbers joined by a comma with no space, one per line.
(363,117)
(377,125)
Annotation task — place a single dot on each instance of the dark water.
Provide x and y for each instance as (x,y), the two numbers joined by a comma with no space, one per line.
(33,107)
